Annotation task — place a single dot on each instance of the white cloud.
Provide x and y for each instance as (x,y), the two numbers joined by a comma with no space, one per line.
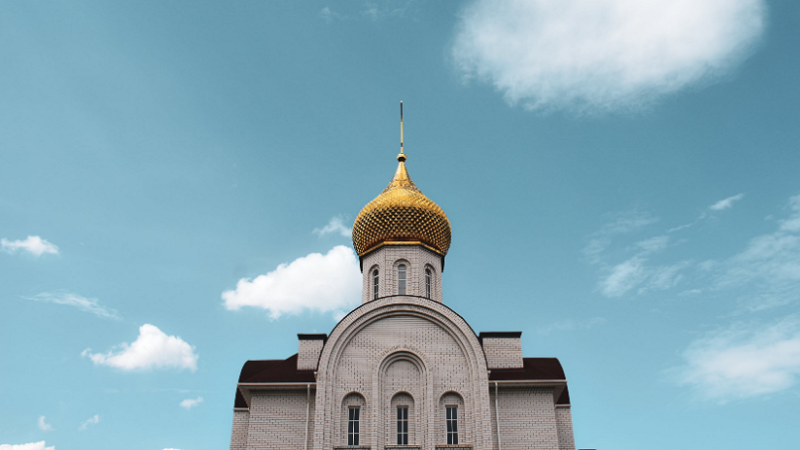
(623,277)
(619,223)
(654,244)
(33,245)
(771,258)
(31,446)
(43,425)
(603,55)
(726,202)
(328,15)
(571,325)
(84,304)
(335,225)
(91,421)
(743,361)
(190,403)
(324,283)
(383,9)
(153,349)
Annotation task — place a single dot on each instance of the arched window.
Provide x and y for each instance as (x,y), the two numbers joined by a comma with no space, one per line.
(375,283)
(401,279)
(428,282)
(452,410)
(400,426)
(354,420)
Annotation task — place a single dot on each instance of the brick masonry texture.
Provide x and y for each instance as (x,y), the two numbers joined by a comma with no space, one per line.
(308,353)
(241,420)
(527,419)
(387,258)
(503,353)
(277,420)
(403,351)
(566,439)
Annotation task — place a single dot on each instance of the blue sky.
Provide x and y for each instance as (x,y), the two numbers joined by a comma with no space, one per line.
(621,179)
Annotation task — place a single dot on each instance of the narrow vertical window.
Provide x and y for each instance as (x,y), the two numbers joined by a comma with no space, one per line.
(352,425)
(428,282)
(401,279)
(452,425)
(375,283)
(402,425)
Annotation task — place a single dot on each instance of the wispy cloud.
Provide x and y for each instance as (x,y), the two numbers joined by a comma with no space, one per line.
(30,446)
(726,203)
(329,15)
(571,325)
(316,282)
(743,360)
(91,421)
(43,425)
(371,10)
(335,226)
(153,349)
(619,223)
(34,245)
(89,305)
(190,403)
(635,272)
(382,9)
(623,277)
(604,55)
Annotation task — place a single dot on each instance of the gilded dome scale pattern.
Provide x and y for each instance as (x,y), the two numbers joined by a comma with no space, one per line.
(401,214)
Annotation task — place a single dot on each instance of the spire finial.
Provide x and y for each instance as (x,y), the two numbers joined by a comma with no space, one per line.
(402,156)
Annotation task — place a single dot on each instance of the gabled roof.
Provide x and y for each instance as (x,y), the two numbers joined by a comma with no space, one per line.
(535,369)
(271,371)
(285,371)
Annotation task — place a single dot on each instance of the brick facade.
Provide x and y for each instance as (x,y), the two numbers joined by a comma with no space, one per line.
(308,351)
(386,259)
(502,352)
(410,351)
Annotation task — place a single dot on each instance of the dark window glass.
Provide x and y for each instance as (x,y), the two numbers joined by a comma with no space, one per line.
(428,282)
(375,284)
(452,425)
(401,279)
(402,425)
(352,425)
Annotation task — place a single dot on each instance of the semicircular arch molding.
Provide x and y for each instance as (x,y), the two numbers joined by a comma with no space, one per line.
(476,396)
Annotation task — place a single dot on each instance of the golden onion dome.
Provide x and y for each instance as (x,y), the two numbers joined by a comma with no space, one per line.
(401,215)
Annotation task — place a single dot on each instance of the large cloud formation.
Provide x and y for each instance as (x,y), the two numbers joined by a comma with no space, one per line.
(153,349)
(602,55)
(324,283)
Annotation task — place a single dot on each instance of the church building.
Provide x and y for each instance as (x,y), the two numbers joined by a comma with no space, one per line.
(403,370)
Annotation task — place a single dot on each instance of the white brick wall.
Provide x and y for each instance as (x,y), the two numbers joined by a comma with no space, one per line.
(386,259)
(382,349)
(527,419)
(241,421)
(566,438)
(277,420)
(503,353)
(308,353)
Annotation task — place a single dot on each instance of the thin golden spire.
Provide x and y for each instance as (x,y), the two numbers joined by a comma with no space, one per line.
(402,156)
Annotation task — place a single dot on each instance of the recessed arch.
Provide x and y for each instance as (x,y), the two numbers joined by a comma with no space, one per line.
(414,308)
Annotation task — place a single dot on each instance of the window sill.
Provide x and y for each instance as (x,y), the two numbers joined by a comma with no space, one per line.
(345,447)
(402,447)
(454,447)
